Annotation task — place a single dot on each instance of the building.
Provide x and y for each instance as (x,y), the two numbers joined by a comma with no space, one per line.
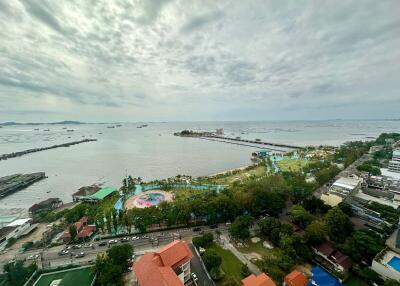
(82,228)
(387,264)
(333,258)
(99,195)
(260,280)
(295,278)
(394,164)
(46,205)
(320,277)
(15,229)
(345,186)
(84,192)
(169,266)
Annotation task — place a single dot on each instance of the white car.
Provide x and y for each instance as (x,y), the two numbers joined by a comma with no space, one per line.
(194,276)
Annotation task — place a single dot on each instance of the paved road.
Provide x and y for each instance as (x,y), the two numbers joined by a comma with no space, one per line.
(50,257)
(198,269)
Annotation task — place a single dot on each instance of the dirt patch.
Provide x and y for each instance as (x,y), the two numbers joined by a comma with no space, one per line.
(255,239)
(252,256)
(35,235)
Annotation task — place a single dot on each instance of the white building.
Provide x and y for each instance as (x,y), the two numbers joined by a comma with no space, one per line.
(345,186)
(15,229)
(394,164)
(386,264)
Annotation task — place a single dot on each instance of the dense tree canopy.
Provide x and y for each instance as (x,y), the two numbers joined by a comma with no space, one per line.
(338,224)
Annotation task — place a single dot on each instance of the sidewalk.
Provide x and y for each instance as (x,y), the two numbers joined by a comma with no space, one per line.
(227,245)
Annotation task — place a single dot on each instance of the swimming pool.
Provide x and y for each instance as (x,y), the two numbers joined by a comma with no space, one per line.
(395,263)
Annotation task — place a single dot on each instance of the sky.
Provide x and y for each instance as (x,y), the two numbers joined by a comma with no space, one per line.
(159,60)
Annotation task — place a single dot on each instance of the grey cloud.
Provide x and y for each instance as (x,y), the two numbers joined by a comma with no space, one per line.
(158,55)
(201,21)
(43,13)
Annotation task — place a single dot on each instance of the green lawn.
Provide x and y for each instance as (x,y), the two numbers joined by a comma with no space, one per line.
(231,265)
(291,165)
(185,193)
(72,277)
(241,175)
(355,281)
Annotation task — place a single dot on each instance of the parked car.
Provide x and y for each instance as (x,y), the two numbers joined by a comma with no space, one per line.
(88,245)
(63,252)
(135,238)
(213,226)
(124,239)
(194,276)
(197,229)
(103,243)
(112,241)
(77,246)
(80,254)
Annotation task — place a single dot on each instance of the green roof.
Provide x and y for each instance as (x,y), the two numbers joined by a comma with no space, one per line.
(104,192)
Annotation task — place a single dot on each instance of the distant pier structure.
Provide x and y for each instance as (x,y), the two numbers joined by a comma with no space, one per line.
(257,143)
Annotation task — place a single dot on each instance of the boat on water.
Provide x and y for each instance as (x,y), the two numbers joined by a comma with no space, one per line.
(118,125)
(36,129)
(46,130)
(111,126)
(100,133)
(70,130)
(64,128)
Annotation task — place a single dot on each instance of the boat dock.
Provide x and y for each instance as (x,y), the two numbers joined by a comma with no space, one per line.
(25,152)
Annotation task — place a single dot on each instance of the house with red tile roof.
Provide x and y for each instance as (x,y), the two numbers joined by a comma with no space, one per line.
(336,259)
(260,280)
(295,278)
(169,266)
(83,229)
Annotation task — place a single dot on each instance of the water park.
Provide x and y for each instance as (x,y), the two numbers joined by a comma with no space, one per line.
(147,199)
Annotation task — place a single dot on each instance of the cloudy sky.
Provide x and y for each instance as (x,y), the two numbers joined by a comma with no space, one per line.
(199,60)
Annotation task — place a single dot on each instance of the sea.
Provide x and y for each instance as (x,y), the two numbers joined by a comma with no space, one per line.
(151,152)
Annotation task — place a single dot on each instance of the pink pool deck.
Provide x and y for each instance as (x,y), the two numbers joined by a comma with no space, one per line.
(140,200)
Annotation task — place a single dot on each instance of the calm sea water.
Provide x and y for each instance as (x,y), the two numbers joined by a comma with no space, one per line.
(152,152)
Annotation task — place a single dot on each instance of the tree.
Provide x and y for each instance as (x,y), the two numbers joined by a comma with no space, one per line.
(391,282)
(239,229)
(211,259)
(216,273)
(115,221)
(316,232)
(338,224)
(363,245)
(268,224)
(108,222)
(108,274)
(204,240)
(73,231)
(17,274)
(245,270)
(229,282)
(300,216)
(119,254)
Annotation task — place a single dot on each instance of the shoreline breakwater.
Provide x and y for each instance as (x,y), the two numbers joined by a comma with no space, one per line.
(25,152)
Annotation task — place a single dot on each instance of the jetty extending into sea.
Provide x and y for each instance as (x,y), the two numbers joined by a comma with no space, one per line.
(238,141)
(16,182)
(25,152)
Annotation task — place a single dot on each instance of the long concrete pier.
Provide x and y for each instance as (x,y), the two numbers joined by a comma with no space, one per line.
(25,152)
(239,141)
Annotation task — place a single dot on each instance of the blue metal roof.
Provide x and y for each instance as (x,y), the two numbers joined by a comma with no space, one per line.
(320,277)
